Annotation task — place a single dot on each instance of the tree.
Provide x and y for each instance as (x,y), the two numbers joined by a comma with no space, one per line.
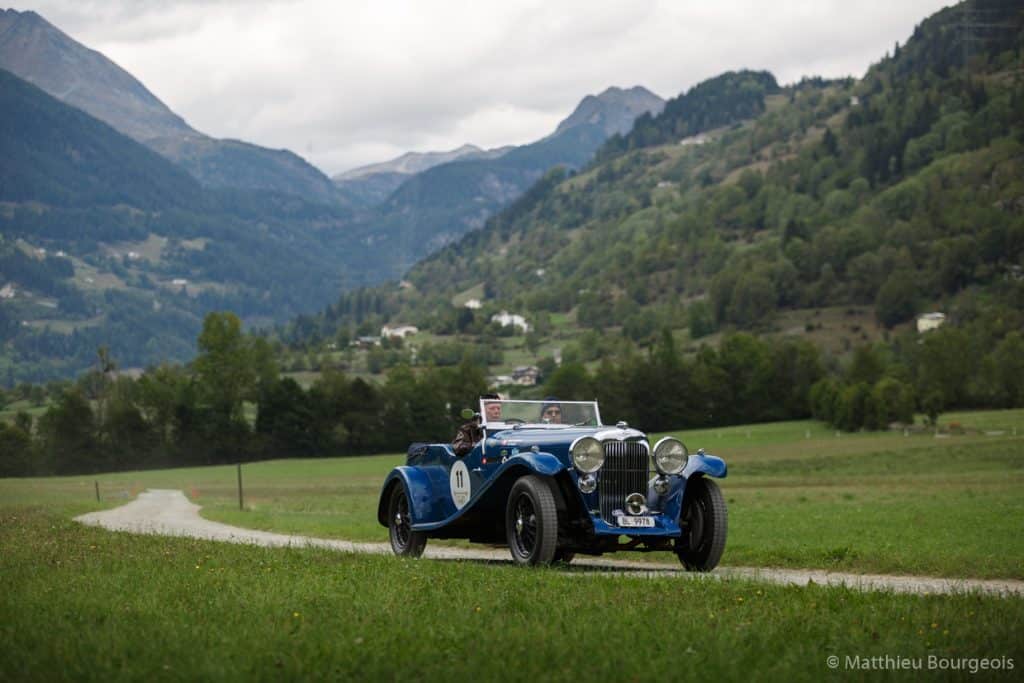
(15,451)
(285,420)
(224,366)
(69,438)
(1008,357)
(897,299)
(570,382)
(893,401)
(700,319)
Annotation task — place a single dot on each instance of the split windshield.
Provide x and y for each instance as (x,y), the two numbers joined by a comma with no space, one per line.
(499,413)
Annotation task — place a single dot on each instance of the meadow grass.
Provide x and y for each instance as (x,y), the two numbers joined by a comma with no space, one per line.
(798,496)
(80,603)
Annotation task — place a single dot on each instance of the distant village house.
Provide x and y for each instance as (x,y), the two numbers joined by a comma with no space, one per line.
(699,139)
(398,330)
(526,375)
(505,319)
(472,303)
(365,342)
(930,321)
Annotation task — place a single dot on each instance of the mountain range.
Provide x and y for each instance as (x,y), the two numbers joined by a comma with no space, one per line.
(746,205)
(40,53)
(370,185)
(121,224)
(440,204)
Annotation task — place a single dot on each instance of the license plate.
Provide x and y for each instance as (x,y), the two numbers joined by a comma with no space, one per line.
(636,521)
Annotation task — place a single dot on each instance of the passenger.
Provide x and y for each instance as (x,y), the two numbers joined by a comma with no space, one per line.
(551,411)
(470,433)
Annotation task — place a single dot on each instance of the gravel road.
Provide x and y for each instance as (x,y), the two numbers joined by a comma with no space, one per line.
(170,513)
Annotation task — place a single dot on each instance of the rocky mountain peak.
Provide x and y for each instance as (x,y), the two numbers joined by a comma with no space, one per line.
(37,51)
(614,109)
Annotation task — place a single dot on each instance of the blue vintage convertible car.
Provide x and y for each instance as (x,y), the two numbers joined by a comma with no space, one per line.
(551,481)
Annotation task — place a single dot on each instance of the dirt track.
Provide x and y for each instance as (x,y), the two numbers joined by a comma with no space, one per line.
(170,513)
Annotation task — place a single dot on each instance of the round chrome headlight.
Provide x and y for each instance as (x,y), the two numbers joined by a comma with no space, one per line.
(587,454)
(670,456)
(587,483)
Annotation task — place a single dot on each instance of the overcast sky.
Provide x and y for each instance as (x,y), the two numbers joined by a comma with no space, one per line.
(350,83)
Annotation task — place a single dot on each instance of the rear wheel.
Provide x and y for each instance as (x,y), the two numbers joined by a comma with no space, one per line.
(705,522)
(531,521)
(404,541)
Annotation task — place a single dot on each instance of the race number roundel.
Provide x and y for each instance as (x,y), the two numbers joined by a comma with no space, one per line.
(459,479)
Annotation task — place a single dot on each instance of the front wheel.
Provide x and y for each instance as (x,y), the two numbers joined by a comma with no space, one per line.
(531,521)
(404,541)
(705,522)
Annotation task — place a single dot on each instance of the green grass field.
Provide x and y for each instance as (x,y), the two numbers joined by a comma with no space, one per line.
(798,495)
(80,603)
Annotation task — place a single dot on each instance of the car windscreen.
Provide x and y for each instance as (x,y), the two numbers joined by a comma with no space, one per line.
(502,412)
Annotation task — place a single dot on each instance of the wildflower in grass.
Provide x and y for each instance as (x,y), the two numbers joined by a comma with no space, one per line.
(295,615)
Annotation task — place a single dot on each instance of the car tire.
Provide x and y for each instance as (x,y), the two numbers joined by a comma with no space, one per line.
(705,523)
(404,541)
(531,521)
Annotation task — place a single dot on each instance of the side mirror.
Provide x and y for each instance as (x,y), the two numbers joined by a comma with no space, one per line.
(468,413)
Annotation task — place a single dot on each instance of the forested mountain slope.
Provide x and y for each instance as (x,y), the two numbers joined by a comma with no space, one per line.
(103,241)
(902,191)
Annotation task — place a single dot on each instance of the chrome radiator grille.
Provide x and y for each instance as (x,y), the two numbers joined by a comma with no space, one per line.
(626,470)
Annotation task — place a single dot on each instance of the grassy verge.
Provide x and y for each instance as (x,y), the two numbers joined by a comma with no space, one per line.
(798,495)
(80,603)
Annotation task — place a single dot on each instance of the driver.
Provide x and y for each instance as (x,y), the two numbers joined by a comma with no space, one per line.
(492,408)
(470,433)
(551,411)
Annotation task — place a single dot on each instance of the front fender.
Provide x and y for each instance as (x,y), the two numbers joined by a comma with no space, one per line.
(537,462)
(417,490)
(696,466)
(711,465)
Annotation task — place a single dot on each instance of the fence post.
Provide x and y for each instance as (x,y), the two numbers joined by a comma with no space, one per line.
(97,483)
(240,499)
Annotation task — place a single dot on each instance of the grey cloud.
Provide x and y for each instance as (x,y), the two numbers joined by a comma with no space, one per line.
(341,82)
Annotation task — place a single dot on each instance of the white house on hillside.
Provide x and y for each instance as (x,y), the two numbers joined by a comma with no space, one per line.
(505,319)
(472,303)
(930,321)
(398,330)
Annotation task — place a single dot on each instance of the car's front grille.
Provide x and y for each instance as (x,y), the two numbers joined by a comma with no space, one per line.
(626,470)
